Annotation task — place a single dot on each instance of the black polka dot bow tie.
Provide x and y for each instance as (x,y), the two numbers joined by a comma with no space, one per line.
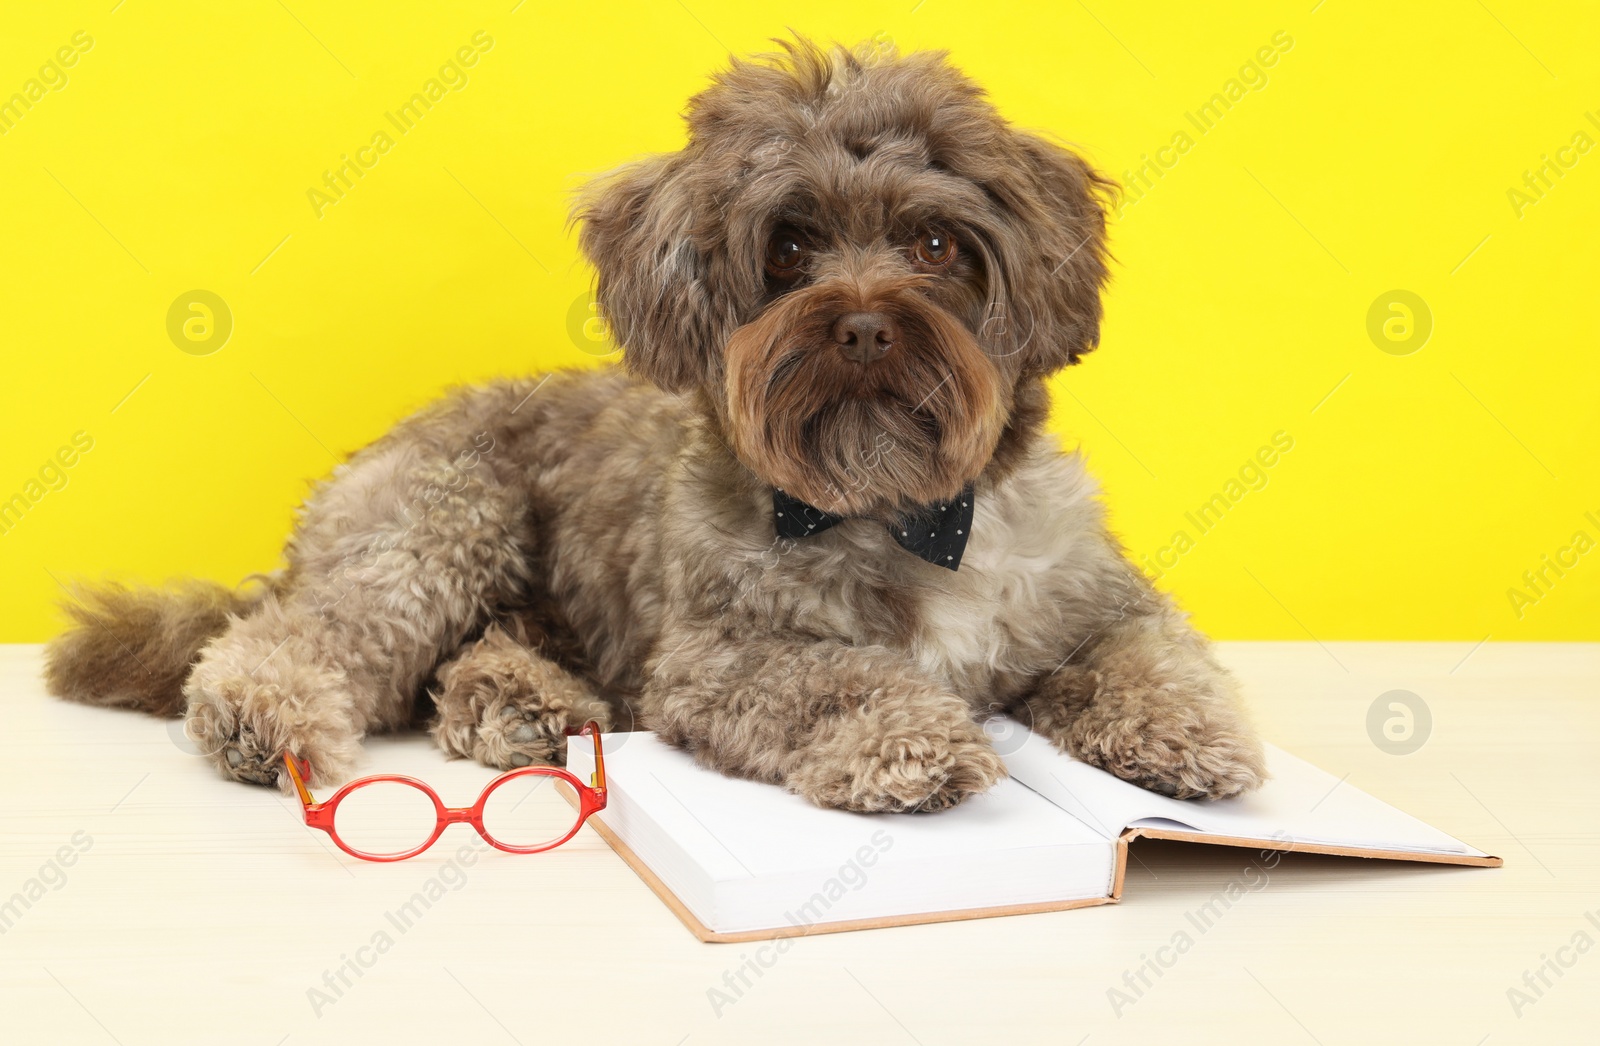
(937,532)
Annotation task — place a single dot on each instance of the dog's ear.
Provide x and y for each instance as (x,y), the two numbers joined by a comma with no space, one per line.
(1054,267)
(637,227)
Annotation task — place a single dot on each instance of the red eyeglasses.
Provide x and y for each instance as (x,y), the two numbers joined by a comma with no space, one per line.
(388,817)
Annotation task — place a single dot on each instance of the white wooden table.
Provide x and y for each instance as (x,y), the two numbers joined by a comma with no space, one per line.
(196,910)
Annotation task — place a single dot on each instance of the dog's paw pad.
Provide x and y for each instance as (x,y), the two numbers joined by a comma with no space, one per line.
(243,756)
(519,737)
(250,766)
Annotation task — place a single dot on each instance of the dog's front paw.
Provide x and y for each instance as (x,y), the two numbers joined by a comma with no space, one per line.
(244,725)
(507,706)
(868,769)
(527,731)
(1200,749)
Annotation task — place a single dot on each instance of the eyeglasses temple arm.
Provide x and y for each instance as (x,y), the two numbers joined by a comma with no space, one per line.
(299,782)
(597,779)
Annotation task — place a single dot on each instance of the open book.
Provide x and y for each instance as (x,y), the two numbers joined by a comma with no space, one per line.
(738,860)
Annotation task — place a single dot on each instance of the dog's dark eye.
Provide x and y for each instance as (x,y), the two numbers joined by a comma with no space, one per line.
(786,255)
(934,250)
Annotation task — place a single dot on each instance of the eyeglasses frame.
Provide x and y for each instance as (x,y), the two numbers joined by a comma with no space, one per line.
(591,799)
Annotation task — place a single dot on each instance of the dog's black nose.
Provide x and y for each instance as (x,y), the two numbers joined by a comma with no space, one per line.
(865,337)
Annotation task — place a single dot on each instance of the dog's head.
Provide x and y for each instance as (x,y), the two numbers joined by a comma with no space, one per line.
(859,264)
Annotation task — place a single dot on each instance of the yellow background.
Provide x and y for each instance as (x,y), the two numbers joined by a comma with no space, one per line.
(1377,157)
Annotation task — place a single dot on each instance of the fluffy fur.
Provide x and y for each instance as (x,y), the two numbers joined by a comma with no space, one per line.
(503,559)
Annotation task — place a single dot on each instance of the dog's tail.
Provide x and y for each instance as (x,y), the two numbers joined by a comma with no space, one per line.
(133,648)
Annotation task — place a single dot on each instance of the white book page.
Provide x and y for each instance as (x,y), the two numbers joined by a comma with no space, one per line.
(742,829)
(743,854)
(1300,803)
